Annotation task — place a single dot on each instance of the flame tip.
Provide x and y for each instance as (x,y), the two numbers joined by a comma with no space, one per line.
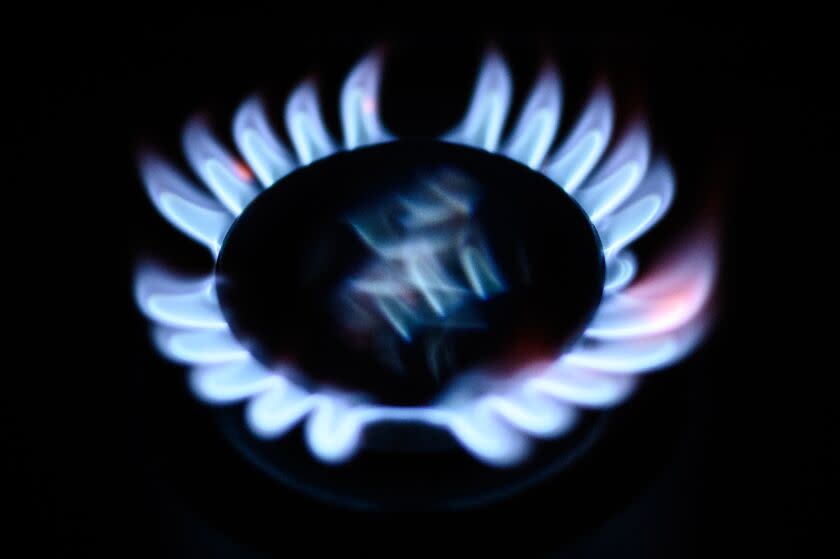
(377,53)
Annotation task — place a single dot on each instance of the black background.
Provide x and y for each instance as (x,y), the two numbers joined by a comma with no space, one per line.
(112,457)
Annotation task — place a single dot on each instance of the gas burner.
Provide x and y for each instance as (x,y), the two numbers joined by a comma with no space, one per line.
(411,297)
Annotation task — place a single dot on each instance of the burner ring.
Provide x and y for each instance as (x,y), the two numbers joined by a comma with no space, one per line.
(496,418)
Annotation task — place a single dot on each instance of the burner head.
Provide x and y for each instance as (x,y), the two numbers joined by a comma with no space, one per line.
(392,269)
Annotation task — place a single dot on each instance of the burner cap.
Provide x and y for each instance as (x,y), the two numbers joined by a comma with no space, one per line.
(392,269)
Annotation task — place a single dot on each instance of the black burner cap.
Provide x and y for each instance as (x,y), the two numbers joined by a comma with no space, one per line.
(393,268)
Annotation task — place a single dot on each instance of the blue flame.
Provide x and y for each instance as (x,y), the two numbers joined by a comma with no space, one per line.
(534,131)
(183,205)
(306,128)
(485,118)
(641,325)
(580,152)
(360,104)
(217,168)
(259,145)
(618,177)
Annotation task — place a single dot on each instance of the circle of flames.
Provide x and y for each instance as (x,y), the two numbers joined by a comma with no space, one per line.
(639,326)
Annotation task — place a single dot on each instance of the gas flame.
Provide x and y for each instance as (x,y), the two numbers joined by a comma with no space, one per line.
(639,327)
